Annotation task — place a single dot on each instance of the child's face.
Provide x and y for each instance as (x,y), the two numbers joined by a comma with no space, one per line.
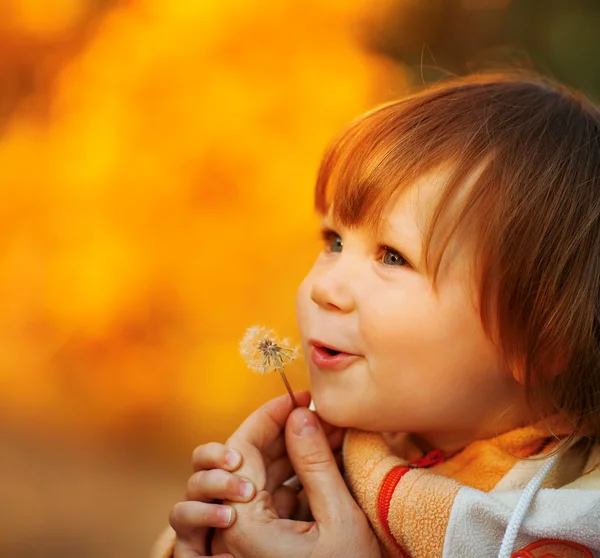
(423,363)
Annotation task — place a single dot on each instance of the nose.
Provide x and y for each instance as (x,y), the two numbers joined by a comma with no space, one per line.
(331,290)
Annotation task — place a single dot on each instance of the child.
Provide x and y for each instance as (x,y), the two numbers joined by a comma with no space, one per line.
(452,324)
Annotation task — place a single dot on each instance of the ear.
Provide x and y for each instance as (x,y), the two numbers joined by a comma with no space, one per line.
(553,364)
(518,372)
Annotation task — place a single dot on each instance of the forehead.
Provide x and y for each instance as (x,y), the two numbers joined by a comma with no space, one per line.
(432,224)
(425,204)
(413,207)
(418,208)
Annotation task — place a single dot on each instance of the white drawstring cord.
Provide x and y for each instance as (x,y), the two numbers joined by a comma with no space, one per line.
(518,514)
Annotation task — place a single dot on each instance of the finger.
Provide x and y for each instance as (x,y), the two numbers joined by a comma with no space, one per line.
(277,472)
(193,548)
(188,549)
(215,456)
(281,474)
(206,486)
(303,512)
(186,517)
(263,426)
(258,432)
(285,501)
(281,469)
(277,448)
(316,467)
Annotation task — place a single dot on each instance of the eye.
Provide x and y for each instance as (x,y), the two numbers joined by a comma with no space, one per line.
(392,257)
(332,240)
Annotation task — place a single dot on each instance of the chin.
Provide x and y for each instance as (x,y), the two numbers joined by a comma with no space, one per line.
(335,414)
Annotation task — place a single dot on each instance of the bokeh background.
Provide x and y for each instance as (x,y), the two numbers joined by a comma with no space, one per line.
(157,159)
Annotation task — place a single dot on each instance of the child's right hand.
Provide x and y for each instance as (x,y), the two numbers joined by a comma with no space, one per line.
(213,480)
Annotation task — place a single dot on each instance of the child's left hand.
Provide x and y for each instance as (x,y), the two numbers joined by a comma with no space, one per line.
(339,529)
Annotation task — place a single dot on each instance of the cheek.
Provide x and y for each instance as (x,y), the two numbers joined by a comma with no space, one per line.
(392,321)
(302,303)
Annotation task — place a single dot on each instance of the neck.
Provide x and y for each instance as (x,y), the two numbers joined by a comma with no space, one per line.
(452,442)
(449,443)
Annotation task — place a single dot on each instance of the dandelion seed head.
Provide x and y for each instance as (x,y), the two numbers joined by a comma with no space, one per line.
(263,352)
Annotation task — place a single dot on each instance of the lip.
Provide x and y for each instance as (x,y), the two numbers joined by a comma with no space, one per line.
(323,359)
(318,343)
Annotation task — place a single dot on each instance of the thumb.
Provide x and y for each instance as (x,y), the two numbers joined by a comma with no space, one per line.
(316,467)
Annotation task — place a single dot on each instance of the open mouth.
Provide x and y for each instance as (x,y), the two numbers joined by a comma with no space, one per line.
(326,350)
(325,357)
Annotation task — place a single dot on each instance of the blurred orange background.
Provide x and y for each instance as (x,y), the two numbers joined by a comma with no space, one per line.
(157,159)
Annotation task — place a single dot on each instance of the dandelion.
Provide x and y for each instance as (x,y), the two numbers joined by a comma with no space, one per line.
(263,353)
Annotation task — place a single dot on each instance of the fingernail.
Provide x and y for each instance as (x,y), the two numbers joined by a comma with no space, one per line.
(305,423)
(225,514)
(232,459)
(246,489)
(283,513)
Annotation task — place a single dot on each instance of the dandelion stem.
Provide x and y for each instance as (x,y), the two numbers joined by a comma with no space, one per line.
(289,388)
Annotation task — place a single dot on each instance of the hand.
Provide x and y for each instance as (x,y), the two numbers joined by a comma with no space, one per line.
(193,519)
(213,480)
(340,528)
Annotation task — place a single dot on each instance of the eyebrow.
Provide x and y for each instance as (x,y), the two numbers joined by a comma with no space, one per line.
(327,222)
